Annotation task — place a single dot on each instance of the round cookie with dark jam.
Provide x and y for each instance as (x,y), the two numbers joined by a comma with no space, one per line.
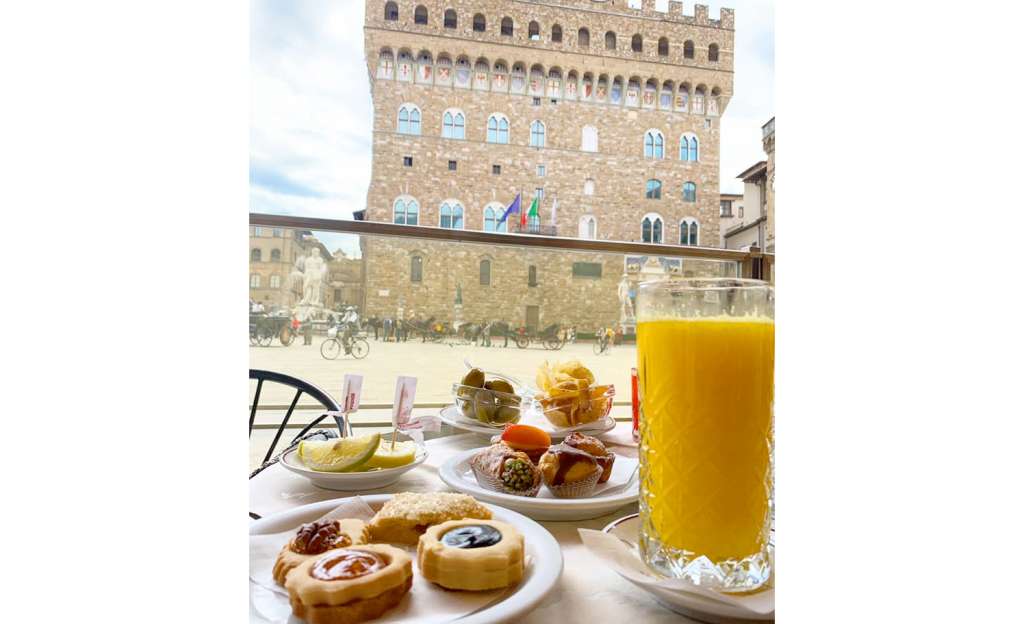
(473,555)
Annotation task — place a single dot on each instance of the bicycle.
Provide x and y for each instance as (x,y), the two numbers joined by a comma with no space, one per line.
(602,344)
(333,347)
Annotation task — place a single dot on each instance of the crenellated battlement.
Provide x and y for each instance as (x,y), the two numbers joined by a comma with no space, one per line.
(697,14)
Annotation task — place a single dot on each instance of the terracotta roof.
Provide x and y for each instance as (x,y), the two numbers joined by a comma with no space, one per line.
(754,170)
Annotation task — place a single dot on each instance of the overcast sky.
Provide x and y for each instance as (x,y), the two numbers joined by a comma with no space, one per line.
(310,104)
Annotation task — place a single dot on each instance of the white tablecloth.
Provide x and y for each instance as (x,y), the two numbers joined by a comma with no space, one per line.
(586,593)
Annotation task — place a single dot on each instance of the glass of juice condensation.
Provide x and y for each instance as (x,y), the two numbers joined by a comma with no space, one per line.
(706,359)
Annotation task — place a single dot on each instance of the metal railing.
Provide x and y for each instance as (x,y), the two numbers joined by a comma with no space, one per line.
(374,228)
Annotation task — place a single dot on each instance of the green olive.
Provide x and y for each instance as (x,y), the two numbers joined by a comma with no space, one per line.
(507,414)
(474,378)
(485,406)
(500,385)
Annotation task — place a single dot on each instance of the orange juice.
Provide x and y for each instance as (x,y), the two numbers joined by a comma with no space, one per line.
(706,387)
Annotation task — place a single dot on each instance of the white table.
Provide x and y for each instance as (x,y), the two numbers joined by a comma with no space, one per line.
(587,592)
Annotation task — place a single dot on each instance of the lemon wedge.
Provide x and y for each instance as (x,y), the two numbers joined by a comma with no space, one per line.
(340,455)
(404,453)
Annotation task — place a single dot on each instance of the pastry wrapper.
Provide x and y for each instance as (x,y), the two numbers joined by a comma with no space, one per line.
(491,482)
(577,489)
(268,602)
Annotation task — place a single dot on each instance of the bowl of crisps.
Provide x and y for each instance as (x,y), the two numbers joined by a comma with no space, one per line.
(569,396)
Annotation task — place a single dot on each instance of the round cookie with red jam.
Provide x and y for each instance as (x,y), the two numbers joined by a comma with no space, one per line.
(471,554)
(349,585)
(316,538)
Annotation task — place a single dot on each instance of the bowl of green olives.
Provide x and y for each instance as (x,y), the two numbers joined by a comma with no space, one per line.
(492,402)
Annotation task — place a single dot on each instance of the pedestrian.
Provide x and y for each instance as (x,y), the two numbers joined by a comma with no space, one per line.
(487,334)
(307,332)
(375,323)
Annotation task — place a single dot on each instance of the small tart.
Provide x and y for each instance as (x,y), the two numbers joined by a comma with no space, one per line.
(316,538)
(471,554)
(349,585)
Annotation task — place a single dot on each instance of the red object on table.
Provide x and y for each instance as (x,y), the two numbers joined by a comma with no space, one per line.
(636,407)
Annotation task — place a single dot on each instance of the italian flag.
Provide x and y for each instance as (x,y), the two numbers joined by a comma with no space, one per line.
(533,212)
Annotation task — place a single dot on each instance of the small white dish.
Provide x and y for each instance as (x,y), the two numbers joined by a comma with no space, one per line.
(453,416)
(691,605)
(457,474)
(544,556)
(351,481)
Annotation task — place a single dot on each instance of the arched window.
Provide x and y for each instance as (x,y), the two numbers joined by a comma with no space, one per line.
(652,228)
(713,52)
(255,256)
(453,124)
(452,215)
(534,31)
(583,38)
(497,129)
(588,186)
(254,280)
(407,211)
(275,255)
(556,33)
(485,272)
(479,23)
(416,269)
(506,26)
(689,192)
(589,142)
(609,40)
(451,18)
(653,189)
(420,16)
(654,144)
(531,275)
(588,226)
(492,214)
(689,232)
(386,64)
(688,148)
(275,281)
(408,119)
(638,43)
(391,11)
(537,134)
(688,49)
(663,46)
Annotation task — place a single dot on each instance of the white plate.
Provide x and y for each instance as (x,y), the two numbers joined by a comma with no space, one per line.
(457,474)
(350,481)
(543,551)
(453,416)
(691,605)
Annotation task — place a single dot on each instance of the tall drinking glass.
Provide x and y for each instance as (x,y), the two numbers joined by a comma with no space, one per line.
(706,359)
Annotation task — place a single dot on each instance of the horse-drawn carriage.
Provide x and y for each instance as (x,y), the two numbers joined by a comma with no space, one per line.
(550,337)
(263,328)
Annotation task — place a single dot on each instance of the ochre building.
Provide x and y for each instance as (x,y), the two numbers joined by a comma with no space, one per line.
(608,116)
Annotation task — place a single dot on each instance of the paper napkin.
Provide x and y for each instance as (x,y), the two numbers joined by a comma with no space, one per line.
(624,559)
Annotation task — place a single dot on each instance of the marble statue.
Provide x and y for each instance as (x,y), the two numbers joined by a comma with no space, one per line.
(313,272)
(626,310)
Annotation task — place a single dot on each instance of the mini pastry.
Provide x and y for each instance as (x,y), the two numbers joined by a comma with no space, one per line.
(471,554)
(317,538)
(407,515)
(349,585)
(506,470)
(531,440)
(595,447)
(569,472)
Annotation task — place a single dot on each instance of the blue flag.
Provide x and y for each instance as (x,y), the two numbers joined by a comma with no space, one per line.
(513,207)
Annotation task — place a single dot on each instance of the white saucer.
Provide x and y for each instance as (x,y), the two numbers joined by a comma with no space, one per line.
(453,416)
(350,481)
(691,605)
(457,474)
(543,554)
